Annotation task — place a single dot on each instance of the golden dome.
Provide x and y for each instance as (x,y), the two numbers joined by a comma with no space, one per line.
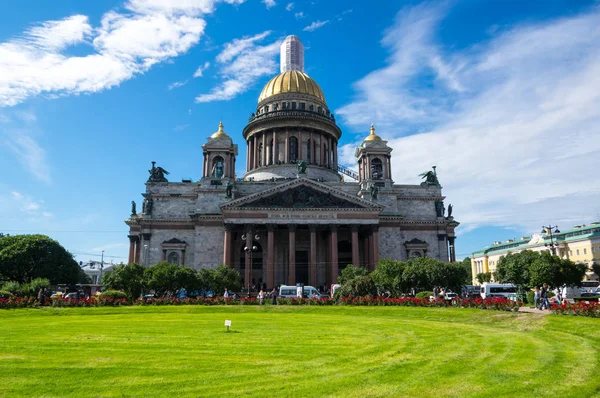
(220,133)
(292,81)
(373,136)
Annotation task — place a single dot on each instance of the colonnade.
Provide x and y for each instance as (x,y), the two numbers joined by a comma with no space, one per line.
(322,246)
(276,146)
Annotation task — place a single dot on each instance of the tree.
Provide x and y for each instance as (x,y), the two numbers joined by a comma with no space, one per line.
(225,277)
(163,279)
(188,280)
(424,273)
(206,280)
(466,264)
(351,272)
(387,277)
(484,277)
(555,271)
(131,279)
(360,286)
(25,257)
(595,268)
(515,268)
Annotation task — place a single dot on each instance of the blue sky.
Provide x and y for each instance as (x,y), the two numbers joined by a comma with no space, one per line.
(501,95)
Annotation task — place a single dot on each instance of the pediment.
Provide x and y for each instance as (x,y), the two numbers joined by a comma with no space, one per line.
(302,194)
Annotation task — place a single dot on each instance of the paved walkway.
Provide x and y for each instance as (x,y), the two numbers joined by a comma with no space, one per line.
(531,310)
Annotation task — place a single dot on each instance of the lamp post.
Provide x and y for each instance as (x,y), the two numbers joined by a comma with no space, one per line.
(548,230)
(249,252)
(101,266)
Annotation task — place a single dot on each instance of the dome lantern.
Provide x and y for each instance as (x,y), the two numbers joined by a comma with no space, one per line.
(220,133)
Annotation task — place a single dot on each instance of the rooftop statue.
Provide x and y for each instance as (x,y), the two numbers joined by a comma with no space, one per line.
(133,210)
(157,174)
(450,211)
(229,189)
(374,191)
(301,167)
(430,178)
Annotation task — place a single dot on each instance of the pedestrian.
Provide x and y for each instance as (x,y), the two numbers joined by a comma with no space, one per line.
(544,297)
(226,294)
(435,292)
(261,297)
(536,297)
(558,297)
(40,296)
(274,296)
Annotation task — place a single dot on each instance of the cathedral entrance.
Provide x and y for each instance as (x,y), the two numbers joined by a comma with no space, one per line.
(257,278)
(302,266)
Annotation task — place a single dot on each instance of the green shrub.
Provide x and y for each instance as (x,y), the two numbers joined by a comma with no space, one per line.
(32,288)
(13,287)
(115,294)
(530,299)
(5,294)
(358,287)
(424,294)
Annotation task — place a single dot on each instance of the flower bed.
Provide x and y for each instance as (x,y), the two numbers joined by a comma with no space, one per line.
(580,308)
(500,304)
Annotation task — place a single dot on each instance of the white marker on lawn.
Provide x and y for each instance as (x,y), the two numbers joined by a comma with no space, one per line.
(227,324)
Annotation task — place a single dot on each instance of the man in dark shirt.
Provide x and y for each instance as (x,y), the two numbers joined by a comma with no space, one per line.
(544,297)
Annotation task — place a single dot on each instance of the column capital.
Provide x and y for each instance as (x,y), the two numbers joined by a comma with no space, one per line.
(133,238)
(292,227)
(271,227)
(229,227)
(354,228)
(312,228)
(333,228)
(375,228)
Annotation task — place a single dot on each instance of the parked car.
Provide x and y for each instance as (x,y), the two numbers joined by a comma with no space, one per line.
(74,295)
(451,296)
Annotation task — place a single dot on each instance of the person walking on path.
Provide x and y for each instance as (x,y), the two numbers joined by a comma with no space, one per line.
(40,296)
(226,294)
(536,297)
(261,296)
(274,296)
(544,297)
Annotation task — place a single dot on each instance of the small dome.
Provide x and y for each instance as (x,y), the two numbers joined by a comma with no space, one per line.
(292,81)
(373,136)
(220,133)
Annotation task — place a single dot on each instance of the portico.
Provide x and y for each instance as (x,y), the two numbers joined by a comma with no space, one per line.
(306,233)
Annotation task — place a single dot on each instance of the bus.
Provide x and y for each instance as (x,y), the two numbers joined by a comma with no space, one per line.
(490,290)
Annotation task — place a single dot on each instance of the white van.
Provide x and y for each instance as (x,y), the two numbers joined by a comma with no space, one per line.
(290,292)
(491,290)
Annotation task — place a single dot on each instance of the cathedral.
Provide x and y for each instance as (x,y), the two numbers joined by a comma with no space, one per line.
(296,215)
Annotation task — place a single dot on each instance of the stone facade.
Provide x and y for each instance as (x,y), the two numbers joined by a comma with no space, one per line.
(291,217)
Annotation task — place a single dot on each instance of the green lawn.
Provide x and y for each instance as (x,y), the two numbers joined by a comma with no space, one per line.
(296,351)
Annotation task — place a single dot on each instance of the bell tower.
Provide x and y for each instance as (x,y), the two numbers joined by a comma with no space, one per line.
(219,156)
(374,161)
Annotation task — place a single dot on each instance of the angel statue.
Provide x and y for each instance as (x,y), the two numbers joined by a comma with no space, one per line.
(133,210)
(301,167)
(430,178)
(374,191)
(157,174)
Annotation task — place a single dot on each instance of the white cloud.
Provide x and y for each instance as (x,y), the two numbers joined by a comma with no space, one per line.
(124,45)
(299,15)
(29,206)
(30,154)
(177,84)
(315,25)
(242,62)
(269,3)
(201,69)
(289,7)
(512,123)
(181,127)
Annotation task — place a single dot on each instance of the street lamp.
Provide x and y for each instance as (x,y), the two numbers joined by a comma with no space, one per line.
(101,266)
(548,230)
(249,251)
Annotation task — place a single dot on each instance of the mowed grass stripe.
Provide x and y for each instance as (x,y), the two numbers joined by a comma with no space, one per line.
(294,351)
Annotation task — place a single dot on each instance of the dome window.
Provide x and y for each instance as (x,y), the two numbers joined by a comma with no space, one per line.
(302,106)
(266,108)
(311,108)
(293,106)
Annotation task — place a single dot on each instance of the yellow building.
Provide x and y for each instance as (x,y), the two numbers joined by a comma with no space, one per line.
(580,244)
